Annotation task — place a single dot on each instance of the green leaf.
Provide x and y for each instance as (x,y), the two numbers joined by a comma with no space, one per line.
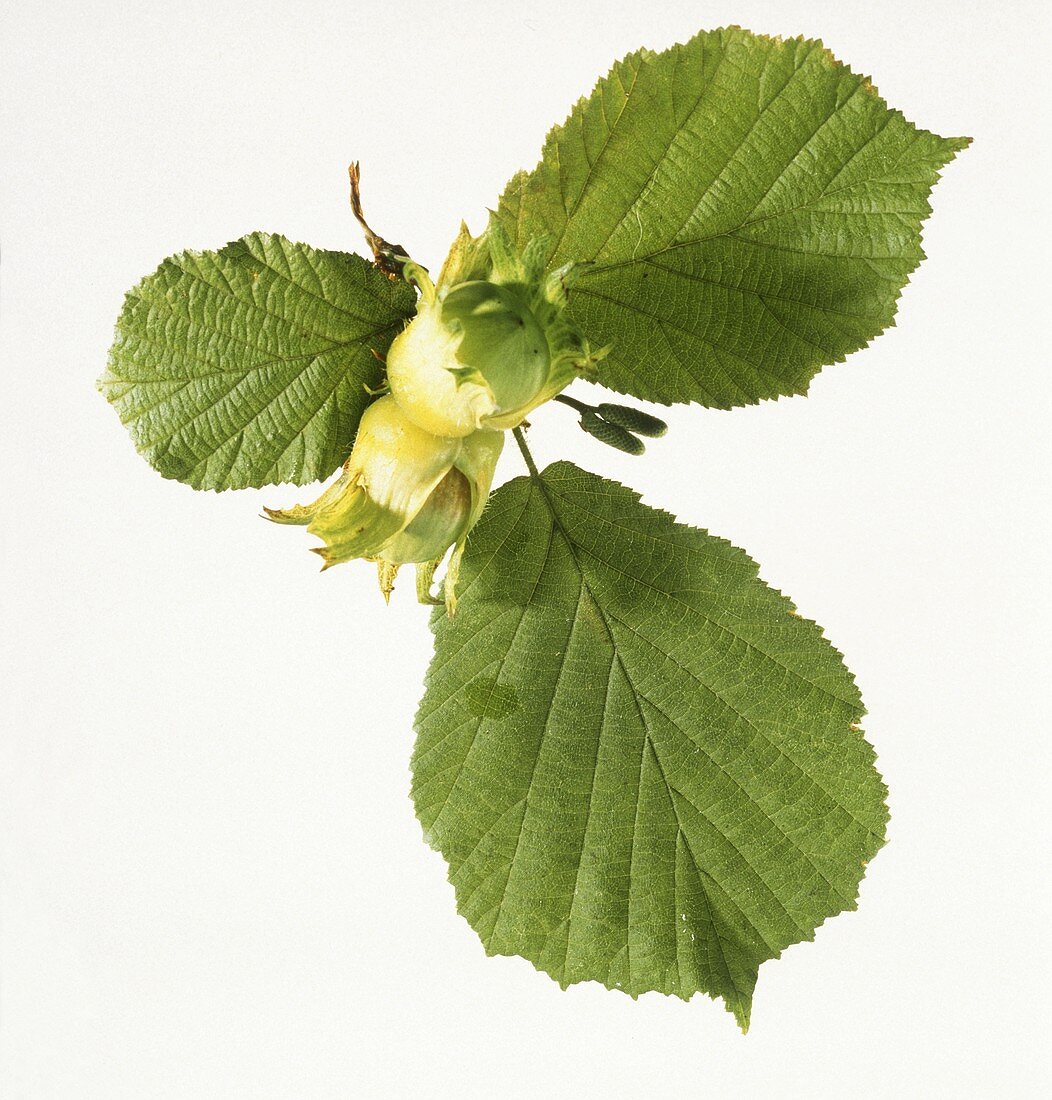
(643,768)
(751,208)
(247,366)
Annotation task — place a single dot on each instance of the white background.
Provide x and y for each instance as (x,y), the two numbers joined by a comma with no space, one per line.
(213,882)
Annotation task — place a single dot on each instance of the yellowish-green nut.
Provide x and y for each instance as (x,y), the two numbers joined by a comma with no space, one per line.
(489,343)
(404,496)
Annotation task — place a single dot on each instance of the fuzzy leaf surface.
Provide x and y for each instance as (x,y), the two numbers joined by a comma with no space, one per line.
(642,767)
(247,366)
(748,211)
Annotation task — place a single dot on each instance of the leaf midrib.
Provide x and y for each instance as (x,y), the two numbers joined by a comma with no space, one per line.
(557,525)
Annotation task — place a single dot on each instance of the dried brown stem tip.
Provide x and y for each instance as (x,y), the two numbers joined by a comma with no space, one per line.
(390,258)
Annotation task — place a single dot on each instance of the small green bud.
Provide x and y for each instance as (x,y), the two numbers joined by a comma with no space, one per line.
(631,419)
(613,435)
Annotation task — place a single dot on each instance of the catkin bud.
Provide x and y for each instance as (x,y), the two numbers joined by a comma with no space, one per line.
(633,420)
(611,434)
